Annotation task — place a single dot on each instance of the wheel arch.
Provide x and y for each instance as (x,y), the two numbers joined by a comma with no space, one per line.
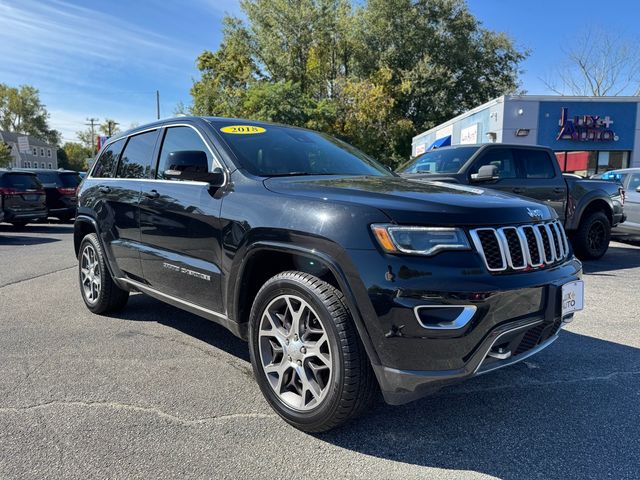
(593,201)
(270,258)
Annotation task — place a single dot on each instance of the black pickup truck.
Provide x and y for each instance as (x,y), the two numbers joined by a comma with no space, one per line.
(588,208)
(341,275)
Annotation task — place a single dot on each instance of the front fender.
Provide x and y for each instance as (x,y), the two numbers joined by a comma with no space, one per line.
(329,254)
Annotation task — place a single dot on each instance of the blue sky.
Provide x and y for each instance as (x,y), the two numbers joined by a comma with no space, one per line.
(106,59)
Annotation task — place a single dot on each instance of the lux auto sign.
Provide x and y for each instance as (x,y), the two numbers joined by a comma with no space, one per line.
(585,128)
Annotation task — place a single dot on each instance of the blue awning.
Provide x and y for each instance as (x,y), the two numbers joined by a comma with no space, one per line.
(441,142)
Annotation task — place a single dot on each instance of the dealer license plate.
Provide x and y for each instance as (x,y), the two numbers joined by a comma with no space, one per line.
(572,297)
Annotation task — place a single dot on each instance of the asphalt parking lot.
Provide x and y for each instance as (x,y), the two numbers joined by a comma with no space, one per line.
(156,392)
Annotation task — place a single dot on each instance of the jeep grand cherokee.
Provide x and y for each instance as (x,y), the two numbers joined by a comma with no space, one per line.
(343,277)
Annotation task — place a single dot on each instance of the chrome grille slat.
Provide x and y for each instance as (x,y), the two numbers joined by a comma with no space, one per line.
(520,248)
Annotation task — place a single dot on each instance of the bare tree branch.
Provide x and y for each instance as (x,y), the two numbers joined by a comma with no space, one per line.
(597,64)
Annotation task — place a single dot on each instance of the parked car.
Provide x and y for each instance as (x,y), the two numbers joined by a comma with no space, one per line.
(60,187)
(629,179)
(341,275)
(23,197)
(589,209)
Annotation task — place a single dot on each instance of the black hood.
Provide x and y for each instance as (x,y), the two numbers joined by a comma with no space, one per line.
(417,202)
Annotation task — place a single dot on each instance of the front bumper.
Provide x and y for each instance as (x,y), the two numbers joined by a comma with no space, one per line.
(520,311)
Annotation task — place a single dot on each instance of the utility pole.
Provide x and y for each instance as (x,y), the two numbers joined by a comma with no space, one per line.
(110,126)
(158,103)
(92,123)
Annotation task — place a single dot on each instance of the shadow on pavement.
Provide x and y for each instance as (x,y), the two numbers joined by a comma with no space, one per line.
(37,228)
(570,412)
(23,240)
(142,308)
(616,258)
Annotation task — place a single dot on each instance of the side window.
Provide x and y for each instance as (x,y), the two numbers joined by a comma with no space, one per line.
(137,158)
(180,139)
(501,158)
(634,182)
(105,165)
(535,164)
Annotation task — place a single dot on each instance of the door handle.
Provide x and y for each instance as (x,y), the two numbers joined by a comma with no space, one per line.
(558,190)
(104,189)
(152,194)
(519,190)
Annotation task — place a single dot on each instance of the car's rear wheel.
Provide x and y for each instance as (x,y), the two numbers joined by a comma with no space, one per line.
(99,291)
(306,354)
(591,240)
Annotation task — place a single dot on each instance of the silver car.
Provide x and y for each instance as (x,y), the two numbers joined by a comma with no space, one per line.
(630,180)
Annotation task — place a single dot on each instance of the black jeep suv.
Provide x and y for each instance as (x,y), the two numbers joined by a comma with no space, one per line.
(341,275)
(60,188)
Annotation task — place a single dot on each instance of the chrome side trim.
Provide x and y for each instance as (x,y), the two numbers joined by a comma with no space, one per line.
(468,311)
(156,293)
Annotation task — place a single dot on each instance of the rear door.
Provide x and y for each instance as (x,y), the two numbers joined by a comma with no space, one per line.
(180,227)
(117,197)
(632,202)
(540,178)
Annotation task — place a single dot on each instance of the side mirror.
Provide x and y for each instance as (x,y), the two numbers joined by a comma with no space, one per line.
(192,165)
(485,173)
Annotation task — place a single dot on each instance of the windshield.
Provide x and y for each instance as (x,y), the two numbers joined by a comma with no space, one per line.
(448,160)
(273,150)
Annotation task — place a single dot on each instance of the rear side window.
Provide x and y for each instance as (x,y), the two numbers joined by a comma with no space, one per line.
(502,158)
(634,182)
(106,163)
(137,158)
(179,139)
(69,180)
(20,181)
(535,164)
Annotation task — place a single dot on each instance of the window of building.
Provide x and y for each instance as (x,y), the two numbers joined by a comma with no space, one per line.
(42,165)
(49,152)
(180,139)
(35,151)
(137,157)
(586,163)
(50,165)
(105,165)
(42,152)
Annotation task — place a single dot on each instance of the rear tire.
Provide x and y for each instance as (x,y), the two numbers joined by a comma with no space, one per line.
(591,240)
(306,354)
(98,290)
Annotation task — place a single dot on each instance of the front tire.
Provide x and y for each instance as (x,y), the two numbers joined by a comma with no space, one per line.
(99,292)
(306,354)
(591,239)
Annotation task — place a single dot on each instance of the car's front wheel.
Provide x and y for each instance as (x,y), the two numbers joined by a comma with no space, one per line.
(591,239)
(306,354)
(99,292)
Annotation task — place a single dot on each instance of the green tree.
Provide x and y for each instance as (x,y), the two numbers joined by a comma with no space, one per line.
(75,155)
(21,111)
(373,73)
(5,155)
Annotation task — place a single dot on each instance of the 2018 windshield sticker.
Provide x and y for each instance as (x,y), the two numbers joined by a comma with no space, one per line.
(242,129)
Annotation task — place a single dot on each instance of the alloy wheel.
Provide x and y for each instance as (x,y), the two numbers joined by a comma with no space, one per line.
(90,274)
(295,352)
(596,236)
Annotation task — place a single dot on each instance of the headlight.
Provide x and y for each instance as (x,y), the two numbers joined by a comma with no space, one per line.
(419,240)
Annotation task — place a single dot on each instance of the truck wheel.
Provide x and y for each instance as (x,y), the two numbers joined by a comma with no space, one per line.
(591,240)
(99,291)
(306,354)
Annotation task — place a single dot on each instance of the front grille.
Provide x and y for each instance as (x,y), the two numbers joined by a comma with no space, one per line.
(521,248)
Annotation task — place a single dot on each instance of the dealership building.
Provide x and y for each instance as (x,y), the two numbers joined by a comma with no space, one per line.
(589,135)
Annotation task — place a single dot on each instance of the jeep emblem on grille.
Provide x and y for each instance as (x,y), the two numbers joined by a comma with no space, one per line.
(535,213)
